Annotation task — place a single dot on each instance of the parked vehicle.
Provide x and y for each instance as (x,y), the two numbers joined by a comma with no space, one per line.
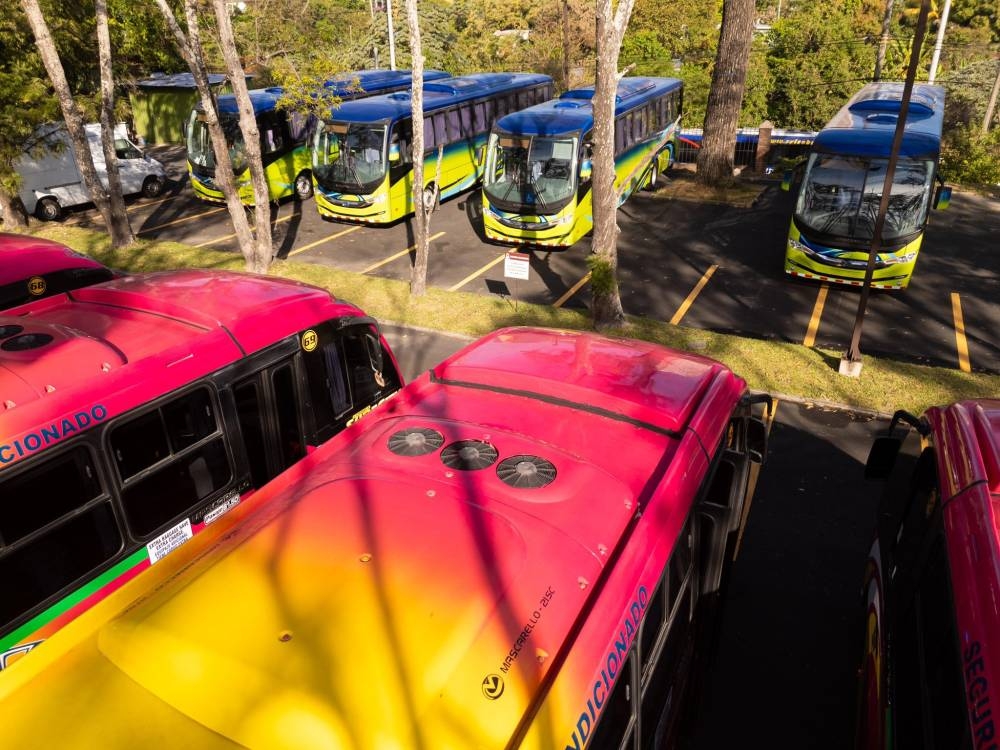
(32,268)
(932,583)
(52,181)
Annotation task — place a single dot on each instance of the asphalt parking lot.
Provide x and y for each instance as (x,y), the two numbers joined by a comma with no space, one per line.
(698,264)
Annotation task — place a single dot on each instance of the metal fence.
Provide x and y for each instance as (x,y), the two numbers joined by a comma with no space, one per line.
(785,145)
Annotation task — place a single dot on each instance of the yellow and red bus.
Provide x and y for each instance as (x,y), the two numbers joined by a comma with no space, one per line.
(932,583)
(135,412)
(519,550)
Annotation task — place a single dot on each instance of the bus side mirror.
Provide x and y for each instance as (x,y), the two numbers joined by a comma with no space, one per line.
(756,440)
(882,457)
(586,170)
(943,197)
(786,180)
(374,347)
(479,154)
(394,153)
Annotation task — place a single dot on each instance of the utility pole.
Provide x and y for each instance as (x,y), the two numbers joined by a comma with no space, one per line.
(988,118)
(850,363)
(883,42)
(392,36)
(939,42)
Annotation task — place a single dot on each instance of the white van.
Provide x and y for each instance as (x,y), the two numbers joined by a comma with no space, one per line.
(52,181)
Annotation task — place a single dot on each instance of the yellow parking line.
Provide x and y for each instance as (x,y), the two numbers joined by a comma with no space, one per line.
(145,203)
(682,310)
(400,254)
(573,290)
(480,272)
(752,481)
(181,220)
(810,339)
(230,236)
(333,236)
(960,341)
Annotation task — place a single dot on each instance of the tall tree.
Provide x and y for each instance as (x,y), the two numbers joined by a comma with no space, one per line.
(418,276)
(121,227)
(261,251)
(606,299)
(715,160)
(190,47)
(74,120)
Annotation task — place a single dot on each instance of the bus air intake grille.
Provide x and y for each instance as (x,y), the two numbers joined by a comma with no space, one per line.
(11,330)
(469,455)
(26,341)
(526,472)
(417,441)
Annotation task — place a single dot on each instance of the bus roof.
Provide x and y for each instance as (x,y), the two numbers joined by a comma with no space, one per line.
(385,583)
(437,94)
(24,258)
(573,112)
(343,85)
(142,335)
(865,126)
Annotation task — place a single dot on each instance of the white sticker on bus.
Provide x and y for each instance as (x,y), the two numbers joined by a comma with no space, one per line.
(169,541)
(225,505)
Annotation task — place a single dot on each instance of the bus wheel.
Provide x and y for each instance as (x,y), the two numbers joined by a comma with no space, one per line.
(303,186)
(48,209)
(152,186)
(654,174)
(431,197)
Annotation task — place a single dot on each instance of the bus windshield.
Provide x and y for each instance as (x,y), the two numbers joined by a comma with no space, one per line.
(534,174)
(199,143)
(349,157)
(840,196)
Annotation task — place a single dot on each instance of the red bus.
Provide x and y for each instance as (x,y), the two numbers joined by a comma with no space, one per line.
(517,550)
(932,584)
(135,412)
(32,268)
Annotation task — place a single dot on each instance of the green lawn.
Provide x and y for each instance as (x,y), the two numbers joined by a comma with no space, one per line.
(782,369)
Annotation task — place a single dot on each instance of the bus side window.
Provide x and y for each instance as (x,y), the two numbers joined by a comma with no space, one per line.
(290,438)
(169,460)
(616,726)
(56,526)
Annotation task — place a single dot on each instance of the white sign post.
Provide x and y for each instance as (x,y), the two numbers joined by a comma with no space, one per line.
(516,266)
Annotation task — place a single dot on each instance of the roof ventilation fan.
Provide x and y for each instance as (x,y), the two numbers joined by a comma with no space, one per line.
(526,472)
(10,330)
(416,441)
(469,455)
(26,341)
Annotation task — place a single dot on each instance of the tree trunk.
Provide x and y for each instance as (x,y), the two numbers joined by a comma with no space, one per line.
(120,227)
(191,50)
(606,300)
(883,41)
(262,251)
(71,113)
(418,277)
(14,216)
(715,160)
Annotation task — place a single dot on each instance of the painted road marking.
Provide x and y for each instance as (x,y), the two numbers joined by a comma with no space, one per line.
(752,480)
(573,290)
(181,220)
(960,340)
(810,339)
(400,254)
(480,272)
(682,310)
(230,236)
(333,236)
(145,203)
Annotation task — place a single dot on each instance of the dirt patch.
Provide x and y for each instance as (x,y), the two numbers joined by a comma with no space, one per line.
(682,185)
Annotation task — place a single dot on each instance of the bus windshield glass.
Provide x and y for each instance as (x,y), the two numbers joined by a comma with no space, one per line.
(199,143)
(349,157)
(530,173)
(840,196)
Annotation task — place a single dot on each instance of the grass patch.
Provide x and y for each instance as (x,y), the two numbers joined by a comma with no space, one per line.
(782,369)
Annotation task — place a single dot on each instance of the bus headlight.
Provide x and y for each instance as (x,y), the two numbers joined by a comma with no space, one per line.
(892,260)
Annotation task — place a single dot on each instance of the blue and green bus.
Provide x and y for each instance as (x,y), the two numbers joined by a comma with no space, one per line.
(362,158)
(284,136)
(537,188)
(834,220)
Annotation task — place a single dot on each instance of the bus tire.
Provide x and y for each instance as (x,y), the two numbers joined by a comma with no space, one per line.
(152,186)
(48,209)
(431,197)
(654,174)
(303,185)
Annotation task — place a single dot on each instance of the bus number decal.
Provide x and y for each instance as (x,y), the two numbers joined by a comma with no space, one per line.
(36,286)
(525,633)
(612,663)
(169,541)
(52,433)
(978,689)
(309,340)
